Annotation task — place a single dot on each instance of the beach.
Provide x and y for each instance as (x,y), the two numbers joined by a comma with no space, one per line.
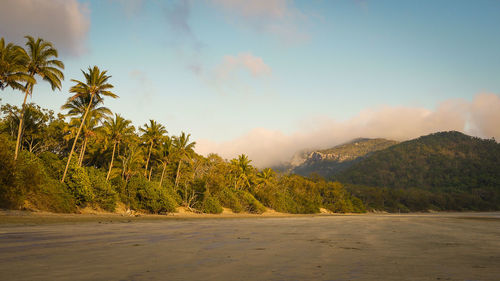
(429,246)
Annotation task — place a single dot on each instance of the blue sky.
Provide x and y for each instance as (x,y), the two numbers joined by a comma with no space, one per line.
(227,71)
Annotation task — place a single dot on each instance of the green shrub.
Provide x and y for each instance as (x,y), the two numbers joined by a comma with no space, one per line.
(249,203)
(149,197)
(104,195)
(229,199)
(211,205)
(78,183)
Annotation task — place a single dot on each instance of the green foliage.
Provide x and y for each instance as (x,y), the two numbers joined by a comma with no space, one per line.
(149,197)
(229,199)
(79,184)
(27,181)
(211,205)
(249,203)
(104,195)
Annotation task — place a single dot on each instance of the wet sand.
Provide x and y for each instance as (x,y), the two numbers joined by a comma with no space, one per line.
(444,246)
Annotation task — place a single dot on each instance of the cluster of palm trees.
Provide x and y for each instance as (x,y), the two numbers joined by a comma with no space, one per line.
(20,68)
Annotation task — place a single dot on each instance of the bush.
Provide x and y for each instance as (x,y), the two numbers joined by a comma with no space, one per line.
(249,203)
(105,197)
(229,199)
(28,181)
(149,197)
(79,184)
(211,205)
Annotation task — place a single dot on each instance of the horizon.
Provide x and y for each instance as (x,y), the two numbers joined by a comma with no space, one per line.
(270,78)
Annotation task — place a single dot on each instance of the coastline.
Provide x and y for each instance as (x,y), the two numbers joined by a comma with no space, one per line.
(26,217)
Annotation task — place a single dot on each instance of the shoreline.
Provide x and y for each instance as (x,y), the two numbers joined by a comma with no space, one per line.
(25,217)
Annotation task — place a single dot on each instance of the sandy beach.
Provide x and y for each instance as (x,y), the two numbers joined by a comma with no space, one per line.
(441,246)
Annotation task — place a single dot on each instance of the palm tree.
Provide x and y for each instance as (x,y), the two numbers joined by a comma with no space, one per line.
(184,149)
(152,134)
(266,177)
(77,108)
(13,70)
(116,129)
(242,169)
(40,62)
(166,151)
(96,86)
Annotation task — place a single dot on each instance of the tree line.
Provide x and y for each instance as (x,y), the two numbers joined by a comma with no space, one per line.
(90,156)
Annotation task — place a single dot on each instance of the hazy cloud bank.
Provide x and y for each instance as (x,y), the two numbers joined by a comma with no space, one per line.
(63,22)
(479,117)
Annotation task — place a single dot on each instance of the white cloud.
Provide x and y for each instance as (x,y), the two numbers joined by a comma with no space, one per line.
(267,147)
(65,23)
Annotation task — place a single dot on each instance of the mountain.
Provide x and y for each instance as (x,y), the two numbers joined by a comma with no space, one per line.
(328,162)
(445,161)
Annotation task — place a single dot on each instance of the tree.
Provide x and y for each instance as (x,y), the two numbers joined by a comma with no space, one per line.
(13,70)
(184,150)
(166,150)
(116,129)
(96,86)
(40,62)
(152,134)
(78,107)
(131,161)
(266,177)
(243,170)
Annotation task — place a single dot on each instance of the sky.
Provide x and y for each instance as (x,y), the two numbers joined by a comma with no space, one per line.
(271,77)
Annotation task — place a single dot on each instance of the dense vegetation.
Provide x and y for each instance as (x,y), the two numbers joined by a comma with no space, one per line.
(441,171)
(89,157)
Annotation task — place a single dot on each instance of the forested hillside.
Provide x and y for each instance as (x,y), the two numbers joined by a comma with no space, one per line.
(447,169)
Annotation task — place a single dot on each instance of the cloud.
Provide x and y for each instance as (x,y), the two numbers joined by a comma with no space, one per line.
(65,23)
(243,61)
(278,17)
(270,147)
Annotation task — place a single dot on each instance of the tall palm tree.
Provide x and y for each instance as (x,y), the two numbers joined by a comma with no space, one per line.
(166,150)
(96,86)
(116,129)
(76,108)
(40,62)
(184,150)
(152,134)
(13,70)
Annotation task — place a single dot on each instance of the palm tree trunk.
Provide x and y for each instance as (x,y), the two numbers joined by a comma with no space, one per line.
(82,153)
(163,172)
(76,138)
(20,129)
(178,172)
(147,162)
(111,164)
